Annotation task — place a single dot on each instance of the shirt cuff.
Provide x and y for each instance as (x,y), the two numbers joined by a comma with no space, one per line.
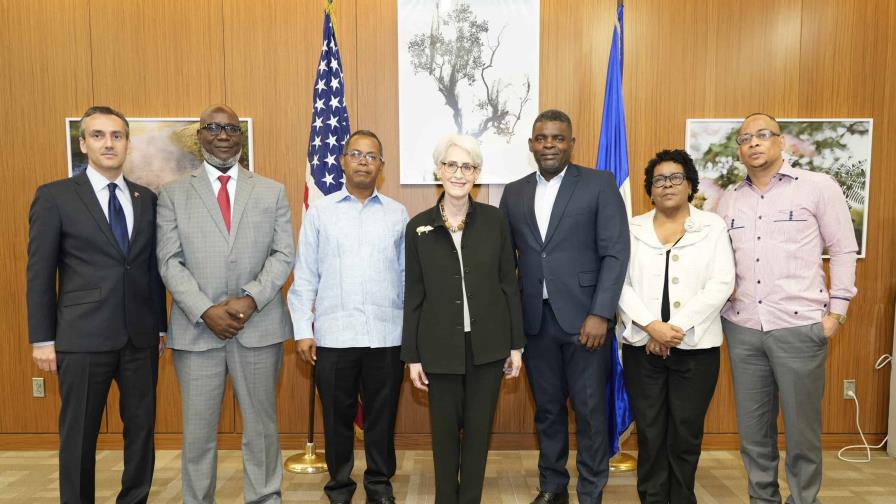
(838,305)
(43,343)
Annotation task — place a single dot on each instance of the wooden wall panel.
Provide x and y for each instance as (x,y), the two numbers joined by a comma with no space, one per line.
(46,76)
(844,60)
(575,46)
(159,59)
(687,58)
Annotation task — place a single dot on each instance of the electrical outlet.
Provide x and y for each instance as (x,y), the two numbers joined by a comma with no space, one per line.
(849,386)
(37,388)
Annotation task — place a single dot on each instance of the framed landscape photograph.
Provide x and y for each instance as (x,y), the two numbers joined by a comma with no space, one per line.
(840,148)
(161,150)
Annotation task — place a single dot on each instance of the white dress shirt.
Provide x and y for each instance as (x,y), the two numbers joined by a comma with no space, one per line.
(545,195)
(100,186)
(701,278)
(457,236)
(213,174)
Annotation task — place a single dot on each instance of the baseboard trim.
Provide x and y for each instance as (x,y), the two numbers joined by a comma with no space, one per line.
(500,441)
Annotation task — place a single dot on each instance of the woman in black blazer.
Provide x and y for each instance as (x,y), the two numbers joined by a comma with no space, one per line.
(462,318)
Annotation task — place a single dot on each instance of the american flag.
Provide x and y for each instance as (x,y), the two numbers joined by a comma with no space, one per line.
(329,121)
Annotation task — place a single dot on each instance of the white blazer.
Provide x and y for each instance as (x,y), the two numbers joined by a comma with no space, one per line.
(701,279)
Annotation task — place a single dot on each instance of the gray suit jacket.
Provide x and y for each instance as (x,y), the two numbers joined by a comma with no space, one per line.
(584,255)
(202,264)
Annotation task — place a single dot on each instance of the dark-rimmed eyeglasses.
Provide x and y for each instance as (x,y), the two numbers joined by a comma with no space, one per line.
(356,155)
(762,134)
(675,178)
(452,166)
(215,129)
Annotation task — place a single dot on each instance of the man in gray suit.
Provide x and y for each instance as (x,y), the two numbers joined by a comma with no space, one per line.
(570,231)
(225,249)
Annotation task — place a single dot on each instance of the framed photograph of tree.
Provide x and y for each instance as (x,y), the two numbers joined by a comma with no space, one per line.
(467,67)
(840,148)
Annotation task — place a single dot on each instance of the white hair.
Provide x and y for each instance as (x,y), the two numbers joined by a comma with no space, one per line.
(463,142)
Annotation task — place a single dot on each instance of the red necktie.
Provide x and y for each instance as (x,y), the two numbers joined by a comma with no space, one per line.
(224,200)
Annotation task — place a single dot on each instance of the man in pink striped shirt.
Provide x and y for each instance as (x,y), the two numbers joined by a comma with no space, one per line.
(781,316)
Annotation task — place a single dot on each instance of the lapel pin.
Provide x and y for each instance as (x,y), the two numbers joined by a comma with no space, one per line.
(136,194)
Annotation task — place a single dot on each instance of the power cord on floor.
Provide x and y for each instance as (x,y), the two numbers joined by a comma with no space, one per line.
(881,362)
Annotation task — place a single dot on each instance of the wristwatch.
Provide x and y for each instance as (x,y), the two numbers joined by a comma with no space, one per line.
(841,319)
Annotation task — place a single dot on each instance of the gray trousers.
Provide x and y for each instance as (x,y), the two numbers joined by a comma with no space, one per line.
(783,366)
(202,376)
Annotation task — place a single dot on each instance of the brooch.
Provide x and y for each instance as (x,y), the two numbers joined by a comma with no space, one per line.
(423,229)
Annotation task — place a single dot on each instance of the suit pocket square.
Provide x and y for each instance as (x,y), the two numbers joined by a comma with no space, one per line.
(81,297)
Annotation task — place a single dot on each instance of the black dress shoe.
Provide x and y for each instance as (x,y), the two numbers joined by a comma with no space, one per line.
(552,498)
(382,500)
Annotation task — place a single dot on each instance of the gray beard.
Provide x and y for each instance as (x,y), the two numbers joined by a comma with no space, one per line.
(221,164)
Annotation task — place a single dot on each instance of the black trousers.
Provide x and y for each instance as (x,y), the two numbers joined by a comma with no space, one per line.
(462,402)
(342,374)
(560,368)
(670,397)
(84,381)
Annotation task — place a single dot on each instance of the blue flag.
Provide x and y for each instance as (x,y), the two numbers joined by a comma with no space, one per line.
(612,155)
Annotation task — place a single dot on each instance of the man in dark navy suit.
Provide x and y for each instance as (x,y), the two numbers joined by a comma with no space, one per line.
(570,231)
(96,234)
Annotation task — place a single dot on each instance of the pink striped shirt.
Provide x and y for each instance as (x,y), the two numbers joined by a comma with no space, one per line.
(778,237)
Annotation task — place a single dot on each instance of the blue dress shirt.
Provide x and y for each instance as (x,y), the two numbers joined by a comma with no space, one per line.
(349,272)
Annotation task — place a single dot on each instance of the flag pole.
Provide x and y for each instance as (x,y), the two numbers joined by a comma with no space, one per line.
(309,462)
(622,461)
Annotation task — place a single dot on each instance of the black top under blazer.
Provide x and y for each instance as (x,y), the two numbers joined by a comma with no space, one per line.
(105,297)
(433,332)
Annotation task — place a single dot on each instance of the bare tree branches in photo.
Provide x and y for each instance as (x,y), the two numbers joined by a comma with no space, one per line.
(449,61)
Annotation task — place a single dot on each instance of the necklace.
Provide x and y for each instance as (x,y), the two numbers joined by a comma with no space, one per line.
(453,229)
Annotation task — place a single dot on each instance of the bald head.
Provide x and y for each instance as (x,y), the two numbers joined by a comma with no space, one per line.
(217,109)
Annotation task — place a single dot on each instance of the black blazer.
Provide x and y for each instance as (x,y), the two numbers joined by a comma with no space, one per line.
(103,298)
(584,255)
(433,332)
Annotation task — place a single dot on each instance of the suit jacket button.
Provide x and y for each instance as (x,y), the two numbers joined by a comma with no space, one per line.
(457,301)
(543,255)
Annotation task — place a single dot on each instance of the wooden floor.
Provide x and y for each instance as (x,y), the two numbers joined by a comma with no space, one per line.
(511,477)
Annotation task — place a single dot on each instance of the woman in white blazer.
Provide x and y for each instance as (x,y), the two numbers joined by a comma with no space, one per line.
(680,274)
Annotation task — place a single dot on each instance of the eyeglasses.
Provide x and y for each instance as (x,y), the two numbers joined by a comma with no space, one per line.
(762,134)
(215,129)
(452,166)
(675,178)
(371,157)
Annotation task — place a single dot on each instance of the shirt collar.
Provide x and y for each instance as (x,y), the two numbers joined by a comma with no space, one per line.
(99,182)
(213,173)
(785,169)
(558,177)
(343,194)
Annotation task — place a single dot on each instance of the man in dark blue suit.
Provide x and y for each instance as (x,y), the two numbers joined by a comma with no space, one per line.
(570,231)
